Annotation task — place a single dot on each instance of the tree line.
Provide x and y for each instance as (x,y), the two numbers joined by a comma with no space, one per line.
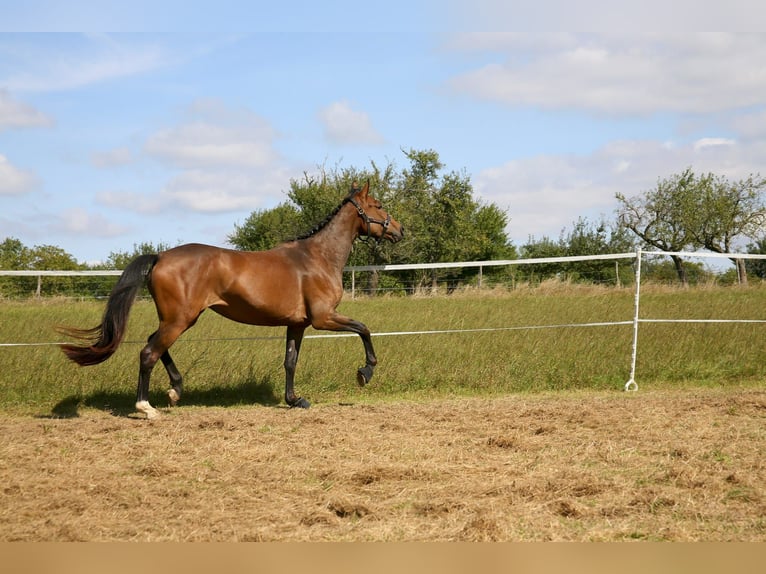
(445,222)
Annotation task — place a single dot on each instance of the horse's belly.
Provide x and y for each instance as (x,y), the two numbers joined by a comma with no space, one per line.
(252,313)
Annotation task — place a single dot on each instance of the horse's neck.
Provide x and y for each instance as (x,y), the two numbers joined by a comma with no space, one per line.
(335,241)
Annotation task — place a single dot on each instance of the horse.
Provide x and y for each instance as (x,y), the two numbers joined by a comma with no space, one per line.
(296,284)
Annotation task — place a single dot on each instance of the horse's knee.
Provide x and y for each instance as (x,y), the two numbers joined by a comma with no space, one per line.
(148,357)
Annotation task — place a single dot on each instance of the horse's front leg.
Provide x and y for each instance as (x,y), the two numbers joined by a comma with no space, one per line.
(292,350)
(337,322)
(364,374)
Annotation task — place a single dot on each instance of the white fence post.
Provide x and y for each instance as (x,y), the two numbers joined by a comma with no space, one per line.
(631,385)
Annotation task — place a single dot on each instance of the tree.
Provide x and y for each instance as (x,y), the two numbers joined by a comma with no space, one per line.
(14,254)
(587,238)
(658,217)
(265,228)
(757,266)
(697,212)
(584,238)
(443,221)
(51,257)
(724,211)
(120,259)
(541,249)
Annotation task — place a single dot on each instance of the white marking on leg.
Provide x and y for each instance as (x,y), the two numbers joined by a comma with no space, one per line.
(173,396)
(149,410)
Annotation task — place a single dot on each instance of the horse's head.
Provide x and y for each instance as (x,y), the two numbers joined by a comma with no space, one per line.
(375,221)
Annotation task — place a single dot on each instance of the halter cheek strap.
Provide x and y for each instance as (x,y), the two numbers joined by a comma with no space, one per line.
(369,220)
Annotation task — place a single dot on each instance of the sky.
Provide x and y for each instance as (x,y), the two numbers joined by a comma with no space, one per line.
(171,122)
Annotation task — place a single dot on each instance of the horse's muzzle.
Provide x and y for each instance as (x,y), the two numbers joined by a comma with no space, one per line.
(395,235)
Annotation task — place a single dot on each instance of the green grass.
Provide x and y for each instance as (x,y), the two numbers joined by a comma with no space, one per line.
(225,363)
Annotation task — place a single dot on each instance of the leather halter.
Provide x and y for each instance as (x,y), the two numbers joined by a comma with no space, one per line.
(368,220)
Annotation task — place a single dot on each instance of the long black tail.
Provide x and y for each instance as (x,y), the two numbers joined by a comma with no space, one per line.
(105,338)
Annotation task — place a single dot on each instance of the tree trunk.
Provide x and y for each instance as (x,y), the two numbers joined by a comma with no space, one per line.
(741,271)
(680,269)
(372,282)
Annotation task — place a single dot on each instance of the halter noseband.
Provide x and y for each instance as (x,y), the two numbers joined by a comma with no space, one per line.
(368,220)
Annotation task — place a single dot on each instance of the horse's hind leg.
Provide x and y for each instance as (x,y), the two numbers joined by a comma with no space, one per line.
(148,359)
(176,380)
(156,348)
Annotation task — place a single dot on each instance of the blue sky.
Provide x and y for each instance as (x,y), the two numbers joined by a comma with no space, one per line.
(178,132)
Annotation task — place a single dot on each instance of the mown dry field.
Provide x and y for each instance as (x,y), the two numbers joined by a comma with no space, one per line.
(588,466)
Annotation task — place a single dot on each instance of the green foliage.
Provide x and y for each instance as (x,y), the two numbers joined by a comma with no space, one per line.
(442,219)
(16,256)
(757,266)
(585,238)
(265,228)
(662,270)
(120,259)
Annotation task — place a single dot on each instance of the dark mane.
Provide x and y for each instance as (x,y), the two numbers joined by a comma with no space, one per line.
(322,224)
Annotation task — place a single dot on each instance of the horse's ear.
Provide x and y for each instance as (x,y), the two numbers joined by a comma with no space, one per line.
(362,192)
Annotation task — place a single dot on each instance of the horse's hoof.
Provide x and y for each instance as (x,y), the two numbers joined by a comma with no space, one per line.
(150,412)
(363,375)
(300,403)
(173,397)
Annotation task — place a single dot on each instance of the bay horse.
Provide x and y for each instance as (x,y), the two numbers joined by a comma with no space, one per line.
(296,284)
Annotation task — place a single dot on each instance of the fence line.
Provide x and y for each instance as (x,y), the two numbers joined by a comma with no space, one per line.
(346,335)
(630,385)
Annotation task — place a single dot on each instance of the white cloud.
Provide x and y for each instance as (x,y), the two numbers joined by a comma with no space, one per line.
(130,201)
(78,221)
(618,74)
(750,125)
(344,125)
(16,114)
(704,143)
(225,160)
(15,181)
(204,144)
(547,193)
(112,158)
(215,136)
(79,61)
(542,16)
(219,191)
(203,191)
